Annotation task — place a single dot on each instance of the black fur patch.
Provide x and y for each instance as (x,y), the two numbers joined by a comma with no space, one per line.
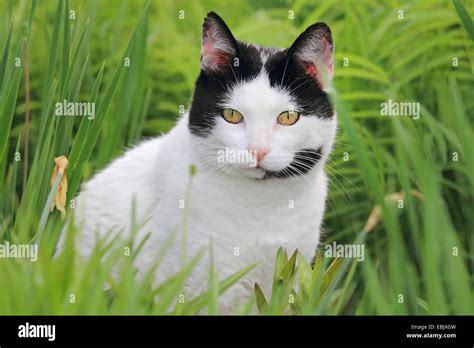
(285,72)
(303,161)
(212,87)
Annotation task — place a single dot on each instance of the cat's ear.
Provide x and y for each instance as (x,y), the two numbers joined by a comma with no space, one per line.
(219,46)
(314,49)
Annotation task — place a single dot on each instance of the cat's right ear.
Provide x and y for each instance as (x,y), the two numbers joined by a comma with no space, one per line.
(219,46)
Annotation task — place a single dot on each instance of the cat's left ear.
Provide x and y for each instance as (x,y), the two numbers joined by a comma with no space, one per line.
(219,46)
(314,49)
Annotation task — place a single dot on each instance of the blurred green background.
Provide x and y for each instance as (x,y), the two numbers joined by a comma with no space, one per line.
(417,51)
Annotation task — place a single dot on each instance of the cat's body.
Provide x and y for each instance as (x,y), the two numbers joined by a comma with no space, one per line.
(244,212)
(263,217)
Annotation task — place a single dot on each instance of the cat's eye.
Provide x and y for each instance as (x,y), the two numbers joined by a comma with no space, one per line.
(288,118)
(232,116)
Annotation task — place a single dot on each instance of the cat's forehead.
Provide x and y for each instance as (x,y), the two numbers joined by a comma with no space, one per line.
(259,55)
(280,68)
(268,52)
(255,87)
(258,96)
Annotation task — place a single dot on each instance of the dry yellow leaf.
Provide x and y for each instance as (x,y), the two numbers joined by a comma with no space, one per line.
(376,213)
(59,200)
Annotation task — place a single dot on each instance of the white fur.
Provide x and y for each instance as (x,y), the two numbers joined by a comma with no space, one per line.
(244,218)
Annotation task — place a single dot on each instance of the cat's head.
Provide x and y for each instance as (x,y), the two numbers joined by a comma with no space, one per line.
(263,112)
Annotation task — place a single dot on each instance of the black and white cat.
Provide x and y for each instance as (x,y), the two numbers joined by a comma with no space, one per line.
(271,105)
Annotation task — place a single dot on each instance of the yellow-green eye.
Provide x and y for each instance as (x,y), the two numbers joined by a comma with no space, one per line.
(288,118)
(232,116)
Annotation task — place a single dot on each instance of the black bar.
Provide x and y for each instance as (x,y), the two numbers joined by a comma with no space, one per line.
(288,330)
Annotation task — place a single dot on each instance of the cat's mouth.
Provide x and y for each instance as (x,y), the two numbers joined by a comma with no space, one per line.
(302,163)
(255,172)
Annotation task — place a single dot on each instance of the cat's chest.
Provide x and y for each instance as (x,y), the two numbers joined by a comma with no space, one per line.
(240,219)
(248,219)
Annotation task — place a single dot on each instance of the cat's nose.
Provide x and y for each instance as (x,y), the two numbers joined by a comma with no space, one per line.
(260,153)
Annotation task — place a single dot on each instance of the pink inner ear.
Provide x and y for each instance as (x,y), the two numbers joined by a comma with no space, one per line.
(311,70)
(327,55)
(214,58)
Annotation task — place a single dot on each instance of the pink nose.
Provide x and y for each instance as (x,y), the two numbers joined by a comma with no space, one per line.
(260,153)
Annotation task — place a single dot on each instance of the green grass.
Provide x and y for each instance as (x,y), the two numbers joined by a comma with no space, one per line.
(423,251)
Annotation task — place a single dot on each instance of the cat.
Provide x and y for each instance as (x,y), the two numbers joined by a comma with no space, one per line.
(269,106)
